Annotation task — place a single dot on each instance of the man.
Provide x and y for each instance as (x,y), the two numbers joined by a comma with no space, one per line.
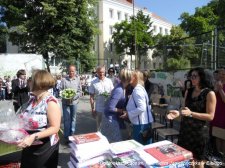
(70,107)
(20,89)
(149,86)
(99,86)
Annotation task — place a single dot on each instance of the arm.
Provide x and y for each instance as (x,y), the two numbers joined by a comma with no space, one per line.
(114,99)
(138,97)
(79,90)
(221,91)
(210,109)
(92,102)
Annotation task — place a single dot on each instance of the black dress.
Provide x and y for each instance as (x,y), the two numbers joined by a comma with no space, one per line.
(194,132)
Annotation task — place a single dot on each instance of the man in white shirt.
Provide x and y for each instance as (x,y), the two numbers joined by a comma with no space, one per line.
(100,86)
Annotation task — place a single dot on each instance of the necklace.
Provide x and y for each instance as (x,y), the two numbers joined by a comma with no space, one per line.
(39,98)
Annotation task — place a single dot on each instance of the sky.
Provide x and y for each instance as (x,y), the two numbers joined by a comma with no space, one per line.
(171,9)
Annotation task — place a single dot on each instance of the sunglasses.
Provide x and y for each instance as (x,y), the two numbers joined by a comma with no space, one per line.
(193,76)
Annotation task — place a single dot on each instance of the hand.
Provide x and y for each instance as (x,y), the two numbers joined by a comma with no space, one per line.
(172,114)
(186,111)
(26,142)
(94,114)
(124,115)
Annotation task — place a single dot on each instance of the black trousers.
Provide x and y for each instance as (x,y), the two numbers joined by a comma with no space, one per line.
(40,156)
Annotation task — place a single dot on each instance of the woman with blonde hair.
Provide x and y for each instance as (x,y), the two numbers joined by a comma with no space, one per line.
(42,118)
(138,110)
(111,123)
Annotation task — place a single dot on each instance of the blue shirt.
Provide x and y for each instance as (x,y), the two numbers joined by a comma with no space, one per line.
(116,100)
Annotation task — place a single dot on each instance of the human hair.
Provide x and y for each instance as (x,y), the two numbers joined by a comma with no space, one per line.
(100,67)
(20,72)
(125,75)
(139,76)
(204,76)
(71,65)
(42,80)
(146,74)
(111,70)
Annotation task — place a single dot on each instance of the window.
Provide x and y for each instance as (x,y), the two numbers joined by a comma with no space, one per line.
(166,31)
(119,15)
(154,65)
(154,28)
(111,13)
(111,47)
(110,30)
(126,16)
(160,30)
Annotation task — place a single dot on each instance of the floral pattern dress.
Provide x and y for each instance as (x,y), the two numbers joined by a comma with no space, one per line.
(34,118)
(194,132)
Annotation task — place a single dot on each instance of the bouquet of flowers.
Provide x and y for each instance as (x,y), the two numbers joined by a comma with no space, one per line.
(11,128)
(68,93)
(105,94)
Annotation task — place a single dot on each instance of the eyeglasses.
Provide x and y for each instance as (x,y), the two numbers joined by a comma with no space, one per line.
(193,77)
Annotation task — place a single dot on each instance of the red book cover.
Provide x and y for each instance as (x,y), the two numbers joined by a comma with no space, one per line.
(84,138)
(170,153)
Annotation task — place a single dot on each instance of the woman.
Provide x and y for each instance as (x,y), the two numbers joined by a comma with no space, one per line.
(138,109)
(111,123)
(42,119)
(200,103)
(219,119)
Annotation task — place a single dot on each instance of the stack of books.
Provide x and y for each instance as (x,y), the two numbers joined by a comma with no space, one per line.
(164,154)
(88,149)
(94,150)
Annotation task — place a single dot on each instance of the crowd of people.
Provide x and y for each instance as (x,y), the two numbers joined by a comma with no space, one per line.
(118,103)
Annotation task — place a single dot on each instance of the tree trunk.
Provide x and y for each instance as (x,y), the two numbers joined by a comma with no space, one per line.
(45,56)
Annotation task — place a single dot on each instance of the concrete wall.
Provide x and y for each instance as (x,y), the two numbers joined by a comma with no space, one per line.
(11,63)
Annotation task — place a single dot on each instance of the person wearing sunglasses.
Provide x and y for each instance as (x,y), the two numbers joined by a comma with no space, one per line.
(200,105)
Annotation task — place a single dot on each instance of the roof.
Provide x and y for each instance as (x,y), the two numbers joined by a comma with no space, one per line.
(159,18)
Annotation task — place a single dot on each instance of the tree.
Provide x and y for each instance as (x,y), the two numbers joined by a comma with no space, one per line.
(177,53)
(203,21)
(136,32)
(64,28)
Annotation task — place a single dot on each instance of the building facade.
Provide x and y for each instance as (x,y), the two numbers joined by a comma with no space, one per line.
(111,12)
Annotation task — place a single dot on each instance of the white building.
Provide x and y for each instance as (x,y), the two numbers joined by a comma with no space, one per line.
(115,11)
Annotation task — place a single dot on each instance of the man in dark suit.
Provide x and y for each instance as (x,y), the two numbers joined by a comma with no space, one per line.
(20,89)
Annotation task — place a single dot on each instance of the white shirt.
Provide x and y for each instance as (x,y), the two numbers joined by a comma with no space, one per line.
(97,88)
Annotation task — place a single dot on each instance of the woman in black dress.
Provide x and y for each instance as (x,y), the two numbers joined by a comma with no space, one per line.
(200,103)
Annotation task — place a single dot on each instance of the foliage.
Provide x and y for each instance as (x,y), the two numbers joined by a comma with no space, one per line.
(137,31)
(47,26)
(176,53)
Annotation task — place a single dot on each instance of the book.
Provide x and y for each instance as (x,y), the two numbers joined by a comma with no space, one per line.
(126,160)
(84,155)
(89,162)
(169,154)
(85,138)
(90,145)
(124,146)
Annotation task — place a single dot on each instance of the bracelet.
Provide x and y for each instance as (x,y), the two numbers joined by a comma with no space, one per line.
(190,115)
